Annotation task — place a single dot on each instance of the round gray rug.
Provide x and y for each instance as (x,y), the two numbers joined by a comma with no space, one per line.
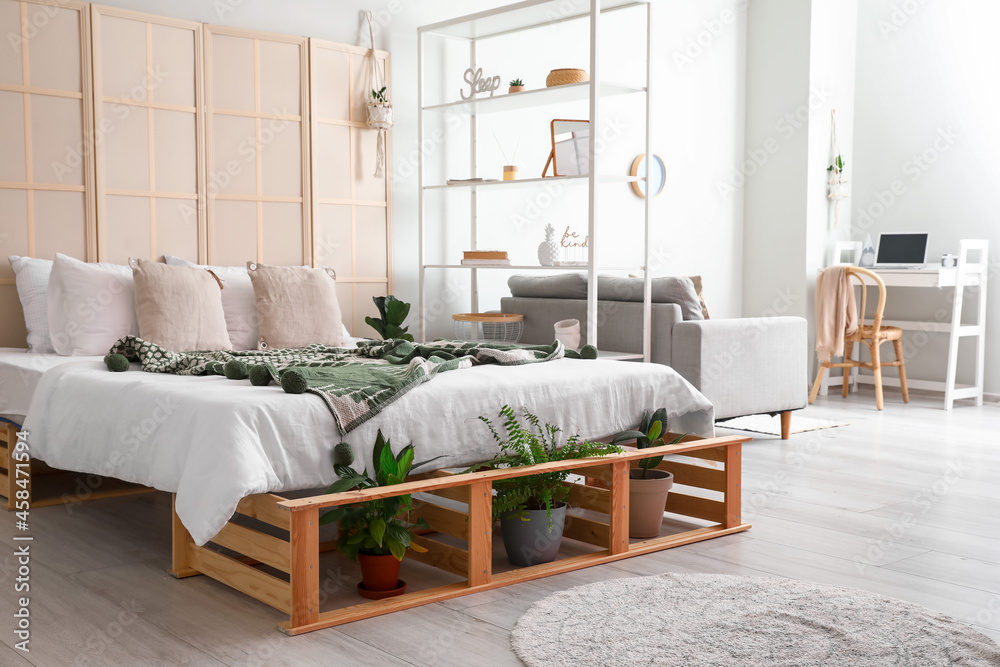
(703,620)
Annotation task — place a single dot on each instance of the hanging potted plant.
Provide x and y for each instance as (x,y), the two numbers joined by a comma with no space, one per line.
(532,509)
(375,533)
(648,487)
(379,105)
(838,184)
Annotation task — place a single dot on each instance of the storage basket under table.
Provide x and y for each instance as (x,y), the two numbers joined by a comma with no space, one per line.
(491,327)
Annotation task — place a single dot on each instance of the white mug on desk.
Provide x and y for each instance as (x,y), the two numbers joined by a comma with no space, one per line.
(949,261)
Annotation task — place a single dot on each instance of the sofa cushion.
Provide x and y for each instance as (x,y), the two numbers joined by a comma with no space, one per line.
(664,290)
(562,286)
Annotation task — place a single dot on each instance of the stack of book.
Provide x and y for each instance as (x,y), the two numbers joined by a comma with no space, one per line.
(485,258)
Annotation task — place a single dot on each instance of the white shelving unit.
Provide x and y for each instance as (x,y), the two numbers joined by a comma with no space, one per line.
(506,21)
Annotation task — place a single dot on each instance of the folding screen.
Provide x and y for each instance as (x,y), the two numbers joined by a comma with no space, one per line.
(46,172)
(129,134)
(257,98)
(351,208)
(149,136)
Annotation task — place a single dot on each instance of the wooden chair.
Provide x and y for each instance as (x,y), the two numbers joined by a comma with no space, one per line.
(872,335)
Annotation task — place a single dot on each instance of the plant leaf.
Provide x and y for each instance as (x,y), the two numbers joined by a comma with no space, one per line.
(625,436)
(654,431)
(416,547)
(377,451)
(378,530)
(405,461)
(335,514)
(423,463)
(344,484)
(397,549)
(387,464)
(651,462)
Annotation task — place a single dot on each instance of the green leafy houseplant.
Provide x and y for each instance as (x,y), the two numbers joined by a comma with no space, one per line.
(375,527)
(527,445)
(516,82)
(651,428)
(837,167)
(392,313)
(379,96)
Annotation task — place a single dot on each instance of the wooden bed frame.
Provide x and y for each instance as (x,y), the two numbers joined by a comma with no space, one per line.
(295,590)
(46,485)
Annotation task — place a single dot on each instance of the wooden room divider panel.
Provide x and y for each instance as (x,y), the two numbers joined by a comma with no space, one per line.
(351,208)
(46,172)
(257,99)
(149,136)
(131,134)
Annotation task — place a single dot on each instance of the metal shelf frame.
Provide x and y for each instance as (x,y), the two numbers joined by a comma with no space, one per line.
(507,21)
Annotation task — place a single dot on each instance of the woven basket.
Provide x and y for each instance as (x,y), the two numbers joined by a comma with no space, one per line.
(560,77)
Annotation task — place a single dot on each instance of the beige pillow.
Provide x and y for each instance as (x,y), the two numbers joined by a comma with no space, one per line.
(698,287)
(179,308)
(296,306)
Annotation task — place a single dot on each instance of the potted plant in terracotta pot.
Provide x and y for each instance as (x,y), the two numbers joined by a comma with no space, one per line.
(532,509)
(516,86)
(648,487)
(374,532)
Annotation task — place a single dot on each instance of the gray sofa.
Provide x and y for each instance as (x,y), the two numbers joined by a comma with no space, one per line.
(743,366)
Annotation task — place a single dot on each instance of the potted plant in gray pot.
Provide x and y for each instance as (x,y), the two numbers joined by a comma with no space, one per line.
(648,487)
(375,533)
(532,509)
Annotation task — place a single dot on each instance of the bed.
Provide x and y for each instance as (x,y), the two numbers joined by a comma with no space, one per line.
(213,441)
(227,451)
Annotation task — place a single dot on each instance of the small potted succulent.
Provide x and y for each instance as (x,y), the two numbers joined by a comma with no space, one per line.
(648,487)
(516,86)
(374,532)
(532,509)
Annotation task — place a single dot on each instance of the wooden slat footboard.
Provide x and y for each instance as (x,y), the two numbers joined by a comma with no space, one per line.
(297,592)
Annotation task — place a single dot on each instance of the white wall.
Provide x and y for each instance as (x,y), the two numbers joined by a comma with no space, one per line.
(800,67)
(698,120)
(926,122)
(772,169)
(831,88)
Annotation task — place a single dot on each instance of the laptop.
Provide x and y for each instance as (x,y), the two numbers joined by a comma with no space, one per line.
(901,250)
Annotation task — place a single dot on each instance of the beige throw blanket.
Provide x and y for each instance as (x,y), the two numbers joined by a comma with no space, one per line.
(836,312)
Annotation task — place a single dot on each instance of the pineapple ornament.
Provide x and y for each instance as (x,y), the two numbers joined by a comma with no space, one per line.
(548,250)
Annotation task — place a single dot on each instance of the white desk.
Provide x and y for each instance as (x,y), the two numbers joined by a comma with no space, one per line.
(966,274)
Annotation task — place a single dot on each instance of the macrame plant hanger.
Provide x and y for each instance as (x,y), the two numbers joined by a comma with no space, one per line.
(838,186)
(379,105)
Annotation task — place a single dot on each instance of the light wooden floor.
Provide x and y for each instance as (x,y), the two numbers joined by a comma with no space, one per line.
(905,503)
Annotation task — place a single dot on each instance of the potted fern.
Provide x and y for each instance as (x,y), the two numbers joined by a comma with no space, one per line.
(374,532)
(532,509)
(648,487)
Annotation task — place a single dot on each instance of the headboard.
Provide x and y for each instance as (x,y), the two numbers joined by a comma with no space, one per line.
(154,136)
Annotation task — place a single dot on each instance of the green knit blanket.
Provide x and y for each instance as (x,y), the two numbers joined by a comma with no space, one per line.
(355,384)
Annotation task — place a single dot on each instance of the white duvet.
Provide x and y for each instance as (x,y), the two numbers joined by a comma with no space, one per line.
(213,441)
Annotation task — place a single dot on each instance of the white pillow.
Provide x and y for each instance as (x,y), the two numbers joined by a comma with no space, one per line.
(32,276)
(238,302)
(90,306)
